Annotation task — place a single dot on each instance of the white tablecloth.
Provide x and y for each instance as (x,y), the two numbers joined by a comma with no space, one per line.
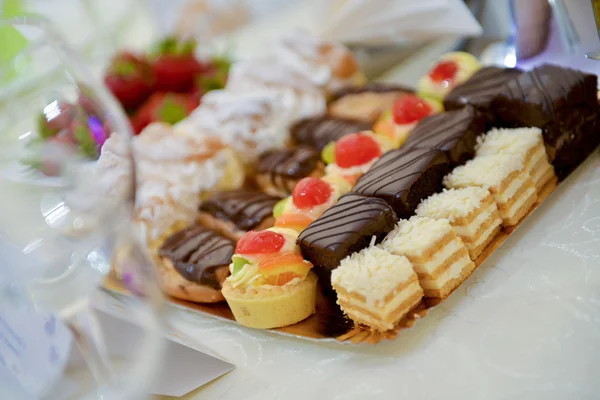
(525,325)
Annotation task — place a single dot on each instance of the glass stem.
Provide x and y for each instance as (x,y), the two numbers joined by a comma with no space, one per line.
(87,335)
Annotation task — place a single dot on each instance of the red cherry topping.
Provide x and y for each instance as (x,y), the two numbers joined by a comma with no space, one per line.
(260,242)
(410,108)
(356,149)
(310,192)
(444,71)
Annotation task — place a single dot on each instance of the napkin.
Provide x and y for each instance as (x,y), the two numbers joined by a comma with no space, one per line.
(394,22)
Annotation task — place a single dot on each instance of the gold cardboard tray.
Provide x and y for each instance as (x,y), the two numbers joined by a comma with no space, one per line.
(322,326)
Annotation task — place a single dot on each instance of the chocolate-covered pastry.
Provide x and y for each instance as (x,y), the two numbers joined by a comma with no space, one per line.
(404,177)
(319,131)
(479,91)
(193,263)
(366,102)
(237,211)
(278,171)
(561,101)
(455,132)
(343,229)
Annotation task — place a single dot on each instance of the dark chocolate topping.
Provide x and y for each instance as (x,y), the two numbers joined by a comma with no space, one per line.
(404,177)
(535,97)
(289,163)
(373,87)
(196,252)
(246,209)
(454,132)
(318,132)
(343,229)
(480,89)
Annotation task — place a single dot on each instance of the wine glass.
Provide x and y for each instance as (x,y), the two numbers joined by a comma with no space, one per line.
(68,189)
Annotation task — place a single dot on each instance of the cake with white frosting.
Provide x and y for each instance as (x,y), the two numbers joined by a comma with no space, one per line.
(526,143)
(438,255)
(471,211)
(376,288)
(505,177)
(251,123)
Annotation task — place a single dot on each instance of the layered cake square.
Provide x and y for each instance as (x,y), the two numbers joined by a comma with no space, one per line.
(505,177)
(472,212)
(438,255)
(527,143)
(376,288)
(404,177)
(560,101)
(480,90)
(345,228)
(454,132)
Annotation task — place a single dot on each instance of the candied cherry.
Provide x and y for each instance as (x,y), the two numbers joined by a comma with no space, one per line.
(260,242)
(444,71)
(310,192)
(410,108)
(356,149)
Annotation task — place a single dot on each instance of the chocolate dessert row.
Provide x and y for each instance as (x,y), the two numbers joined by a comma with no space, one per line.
(561,101)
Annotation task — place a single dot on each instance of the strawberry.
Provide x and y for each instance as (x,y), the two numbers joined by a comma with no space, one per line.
(444,71)
(130,79)
(175,66)
(56,117)
(164,107)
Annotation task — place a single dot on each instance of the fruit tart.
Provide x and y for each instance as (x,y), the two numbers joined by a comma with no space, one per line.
(270,285)
(309,200)
(352,155)
(449,71)
(397,123)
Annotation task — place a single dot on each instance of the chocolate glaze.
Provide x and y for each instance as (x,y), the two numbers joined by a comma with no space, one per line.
(293,163)
(561,101)
(196,252)
(404,177)
(479,90)
(319,131)
(454,132)
(373,87)
(246,209)
(343,229)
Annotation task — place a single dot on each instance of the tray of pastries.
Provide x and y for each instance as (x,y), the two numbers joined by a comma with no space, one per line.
(304,200)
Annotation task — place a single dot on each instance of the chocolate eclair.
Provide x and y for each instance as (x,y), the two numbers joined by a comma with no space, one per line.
(193,263)
(234,212)
(366,102)
(278,171)
(318,132)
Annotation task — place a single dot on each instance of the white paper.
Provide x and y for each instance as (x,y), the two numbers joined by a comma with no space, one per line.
(392,22)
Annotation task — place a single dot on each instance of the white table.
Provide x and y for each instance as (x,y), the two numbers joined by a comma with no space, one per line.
(525,325)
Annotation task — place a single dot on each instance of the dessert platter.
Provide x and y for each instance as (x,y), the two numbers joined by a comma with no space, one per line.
(302,199)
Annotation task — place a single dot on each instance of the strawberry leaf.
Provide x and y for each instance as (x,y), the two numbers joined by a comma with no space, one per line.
(171,111)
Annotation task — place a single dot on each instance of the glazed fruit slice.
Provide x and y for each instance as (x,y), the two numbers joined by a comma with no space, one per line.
(295,221)
(284,268)
(260,242)
(356,149)
(450,70)
(311,192)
